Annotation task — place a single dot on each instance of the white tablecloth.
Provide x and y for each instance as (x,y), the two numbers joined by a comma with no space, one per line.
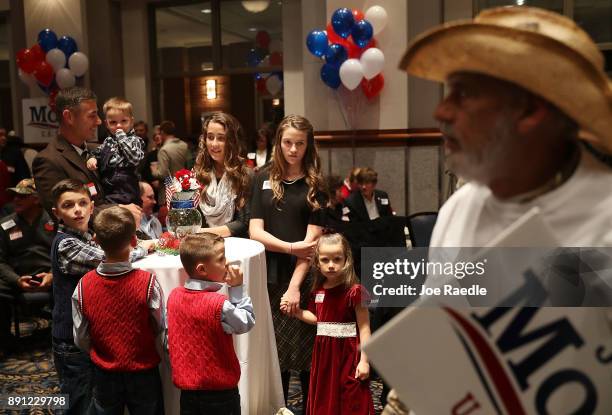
(260,385)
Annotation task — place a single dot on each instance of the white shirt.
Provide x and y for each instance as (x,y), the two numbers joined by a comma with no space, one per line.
(371,207)
(260,157)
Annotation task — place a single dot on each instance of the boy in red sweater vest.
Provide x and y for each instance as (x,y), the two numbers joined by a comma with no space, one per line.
(117,313)
(200,327)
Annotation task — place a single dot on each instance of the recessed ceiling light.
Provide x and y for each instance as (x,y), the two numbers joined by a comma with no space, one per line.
(206,11)
(252,29)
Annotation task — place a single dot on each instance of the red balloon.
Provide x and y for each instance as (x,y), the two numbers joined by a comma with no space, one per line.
(25,60)
(358,15)
(43,72)
(37,53)
(261,86)
(371,88)
(332,36)
(276,59)
(262,39)
(354,51)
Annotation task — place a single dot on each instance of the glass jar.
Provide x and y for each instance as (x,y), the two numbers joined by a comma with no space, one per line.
(183,218)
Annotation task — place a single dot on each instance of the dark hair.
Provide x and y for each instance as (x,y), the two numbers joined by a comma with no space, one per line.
(114,227)
(233,164)
(367,175)
(267,130)
(167,127)
(68,185)
(141,122)
(198,247)
(69,98)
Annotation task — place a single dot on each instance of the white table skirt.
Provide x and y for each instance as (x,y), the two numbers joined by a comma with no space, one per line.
(260,385)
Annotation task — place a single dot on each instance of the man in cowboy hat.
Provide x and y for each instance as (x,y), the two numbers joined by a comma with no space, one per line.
(25,245)
(522,83)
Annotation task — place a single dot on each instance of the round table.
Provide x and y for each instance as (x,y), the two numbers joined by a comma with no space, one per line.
(260,385)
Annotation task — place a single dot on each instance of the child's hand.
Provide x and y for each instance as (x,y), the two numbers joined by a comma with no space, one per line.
(234,276)
(92,163)
(363,370)
(148,245)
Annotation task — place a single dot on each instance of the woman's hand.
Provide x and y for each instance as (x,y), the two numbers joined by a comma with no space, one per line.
(302,249)
(290,301)
(363,370)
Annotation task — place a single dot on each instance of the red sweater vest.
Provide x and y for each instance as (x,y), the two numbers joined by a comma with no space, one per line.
(201,353)
(122,339)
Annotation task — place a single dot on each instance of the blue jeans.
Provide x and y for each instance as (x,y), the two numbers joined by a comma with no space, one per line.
(74,369)
(140,391)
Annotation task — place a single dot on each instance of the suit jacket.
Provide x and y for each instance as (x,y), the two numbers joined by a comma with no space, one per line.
(173,156)
(357,210)
(59,161)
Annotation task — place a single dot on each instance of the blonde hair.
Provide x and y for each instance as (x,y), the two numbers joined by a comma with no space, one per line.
(311,164)
(198,247)
(119,104)
(233,164)
(348,270)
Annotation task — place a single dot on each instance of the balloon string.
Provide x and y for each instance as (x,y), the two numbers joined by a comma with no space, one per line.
(342,109)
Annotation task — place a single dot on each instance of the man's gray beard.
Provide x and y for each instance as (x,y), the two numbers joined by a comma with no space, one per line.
(487,163)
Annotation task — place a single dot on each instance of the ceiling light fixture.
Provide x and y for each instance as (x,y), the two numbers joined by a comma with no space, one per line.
(255,6)
(206,11)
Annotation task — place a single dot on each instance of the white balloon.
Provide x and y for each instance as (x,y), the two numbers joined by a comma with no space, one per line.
(351,73)
(27,78)
(64,78)
(56,58)
(274,85)
(372,62)
(78,63)
(377,16)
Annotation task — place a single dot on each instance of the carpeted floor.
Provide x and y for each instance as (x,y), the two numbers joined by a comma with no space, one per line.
(30,370)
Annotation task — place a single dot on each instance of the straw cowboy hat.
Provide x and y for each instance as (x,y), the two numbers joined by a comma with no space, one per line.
(543,52)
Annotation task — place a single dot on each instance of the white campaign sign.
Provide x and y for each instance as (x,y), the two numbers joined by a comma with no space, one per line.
(39,120)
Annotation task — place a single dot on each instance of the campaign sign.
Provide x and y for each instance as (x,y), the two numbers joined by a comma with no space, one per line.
(40,122)
(499,360)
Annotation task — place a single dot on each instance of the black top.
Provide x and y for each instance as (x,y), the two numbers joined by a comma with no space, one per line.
(287,220)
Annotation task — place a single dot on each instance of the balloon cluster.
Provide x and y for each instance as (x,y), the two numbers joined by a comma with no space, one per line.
(349,50)
(51,63)
(266,52)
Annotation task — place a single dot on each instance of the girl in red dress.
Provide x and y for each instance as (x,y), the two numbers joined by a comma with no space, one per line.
(339,376)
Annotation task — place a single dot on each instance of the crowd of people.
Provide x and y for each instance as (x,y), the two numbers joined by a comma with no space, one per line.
(494,119)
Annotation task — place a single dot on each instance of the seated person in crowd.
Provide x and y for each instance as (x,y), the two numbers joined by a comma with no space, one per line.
(369,203)
(150,226)
(12,156)
(149,165)
(118,157)
(173,155)
(200,326)
(73,254)
(123,350)
(333,187)
(350,184)
(261,151)
(25,242)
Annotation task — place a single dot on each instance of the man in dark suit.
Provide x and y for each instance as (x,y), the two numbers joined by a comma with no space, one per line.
(369,203)
(65,156)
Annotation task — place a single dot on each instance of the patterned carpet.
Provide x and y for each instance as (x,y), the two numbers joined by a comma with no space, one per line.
(30,370)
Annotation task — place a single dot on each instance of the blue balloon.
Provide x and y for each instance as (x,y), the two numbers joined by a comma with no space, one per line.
(253,57)
(258,76)
(342,22)
(47,39)
(336,54)
(362,33)
(67,45)
(330,75)
(317,42)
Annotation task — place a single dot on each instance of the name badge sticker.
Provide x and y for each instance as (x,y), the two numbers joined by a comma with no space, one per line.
(319,297)
(8,224)
(345,210)
(266,185)
(251,156)
(92,189)
(15,235)
(384,202)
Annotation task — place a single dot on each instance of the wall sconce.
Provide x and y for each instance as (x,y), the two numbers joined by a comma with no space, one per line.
(275,102)
(211,89)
